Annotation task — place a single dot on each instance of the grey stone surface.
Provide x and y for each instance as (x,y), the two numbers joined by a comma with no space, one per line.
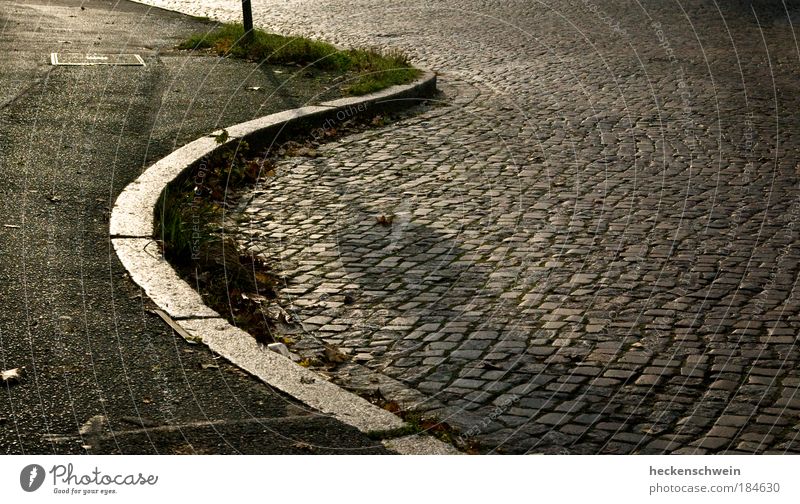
(281,373)
(609,200)
(132,215)
(241,130)
(142,258)
(400,93)
(148,269)
(420,445)
(71,138)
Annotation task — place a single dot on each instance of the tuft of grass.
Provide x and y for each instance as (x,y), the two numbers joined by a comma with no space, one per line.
(374,70)
(188,218)
(177,215)
(188,212)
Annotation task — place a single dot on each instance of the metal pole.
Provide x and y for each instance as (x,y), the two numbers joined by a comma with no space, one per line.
(247,18)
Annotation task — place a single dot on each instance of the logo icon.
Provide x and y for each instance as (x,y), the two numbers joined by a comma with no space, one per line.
(31,477)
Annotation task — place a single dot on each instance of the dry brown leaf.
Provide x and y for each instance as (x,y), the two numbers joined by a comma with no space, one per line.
(11,376)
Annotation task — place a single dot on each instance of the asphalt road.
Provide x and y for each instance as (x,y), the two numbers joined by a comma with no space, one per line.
(103,374)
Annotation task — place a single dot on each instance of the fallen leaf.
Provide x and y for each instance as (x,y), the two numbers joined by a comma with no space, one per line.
(11,376)
(303,446)
(94,425)
(222,137)
(489,365)
(279,348)
(276,313)
(333,355)
(258,298)
(209,366)
(392,407)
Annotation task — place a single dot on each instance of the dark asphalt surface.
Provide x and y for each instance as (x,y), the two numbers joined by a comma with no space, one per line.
(70,139)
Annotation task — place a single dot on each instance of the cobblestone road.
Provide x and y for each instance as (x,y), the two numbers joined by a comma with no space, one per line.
(593,247)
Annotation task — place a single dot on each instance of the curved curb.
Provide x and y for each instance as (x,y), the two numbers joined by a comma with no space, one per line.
(132,230)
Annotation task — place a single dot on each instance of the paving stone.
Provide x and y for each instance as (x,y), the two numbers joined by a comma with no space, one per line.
(711,443)
(664,445)
(723,432)
(668,242)
(649,380)
(333,328)
(732,420)
(553,419)
(468,383)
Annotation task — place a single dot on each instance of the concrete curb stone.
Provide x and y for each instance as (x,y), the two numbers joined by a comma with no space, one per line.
(132,229)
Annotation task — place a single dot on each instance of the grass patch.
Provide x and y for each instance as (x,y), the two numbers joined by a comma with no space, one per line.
(372,70)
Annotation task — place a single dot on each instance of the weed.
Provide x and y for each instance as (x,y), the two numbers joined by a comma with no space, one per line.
(373,70)
(188,218)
